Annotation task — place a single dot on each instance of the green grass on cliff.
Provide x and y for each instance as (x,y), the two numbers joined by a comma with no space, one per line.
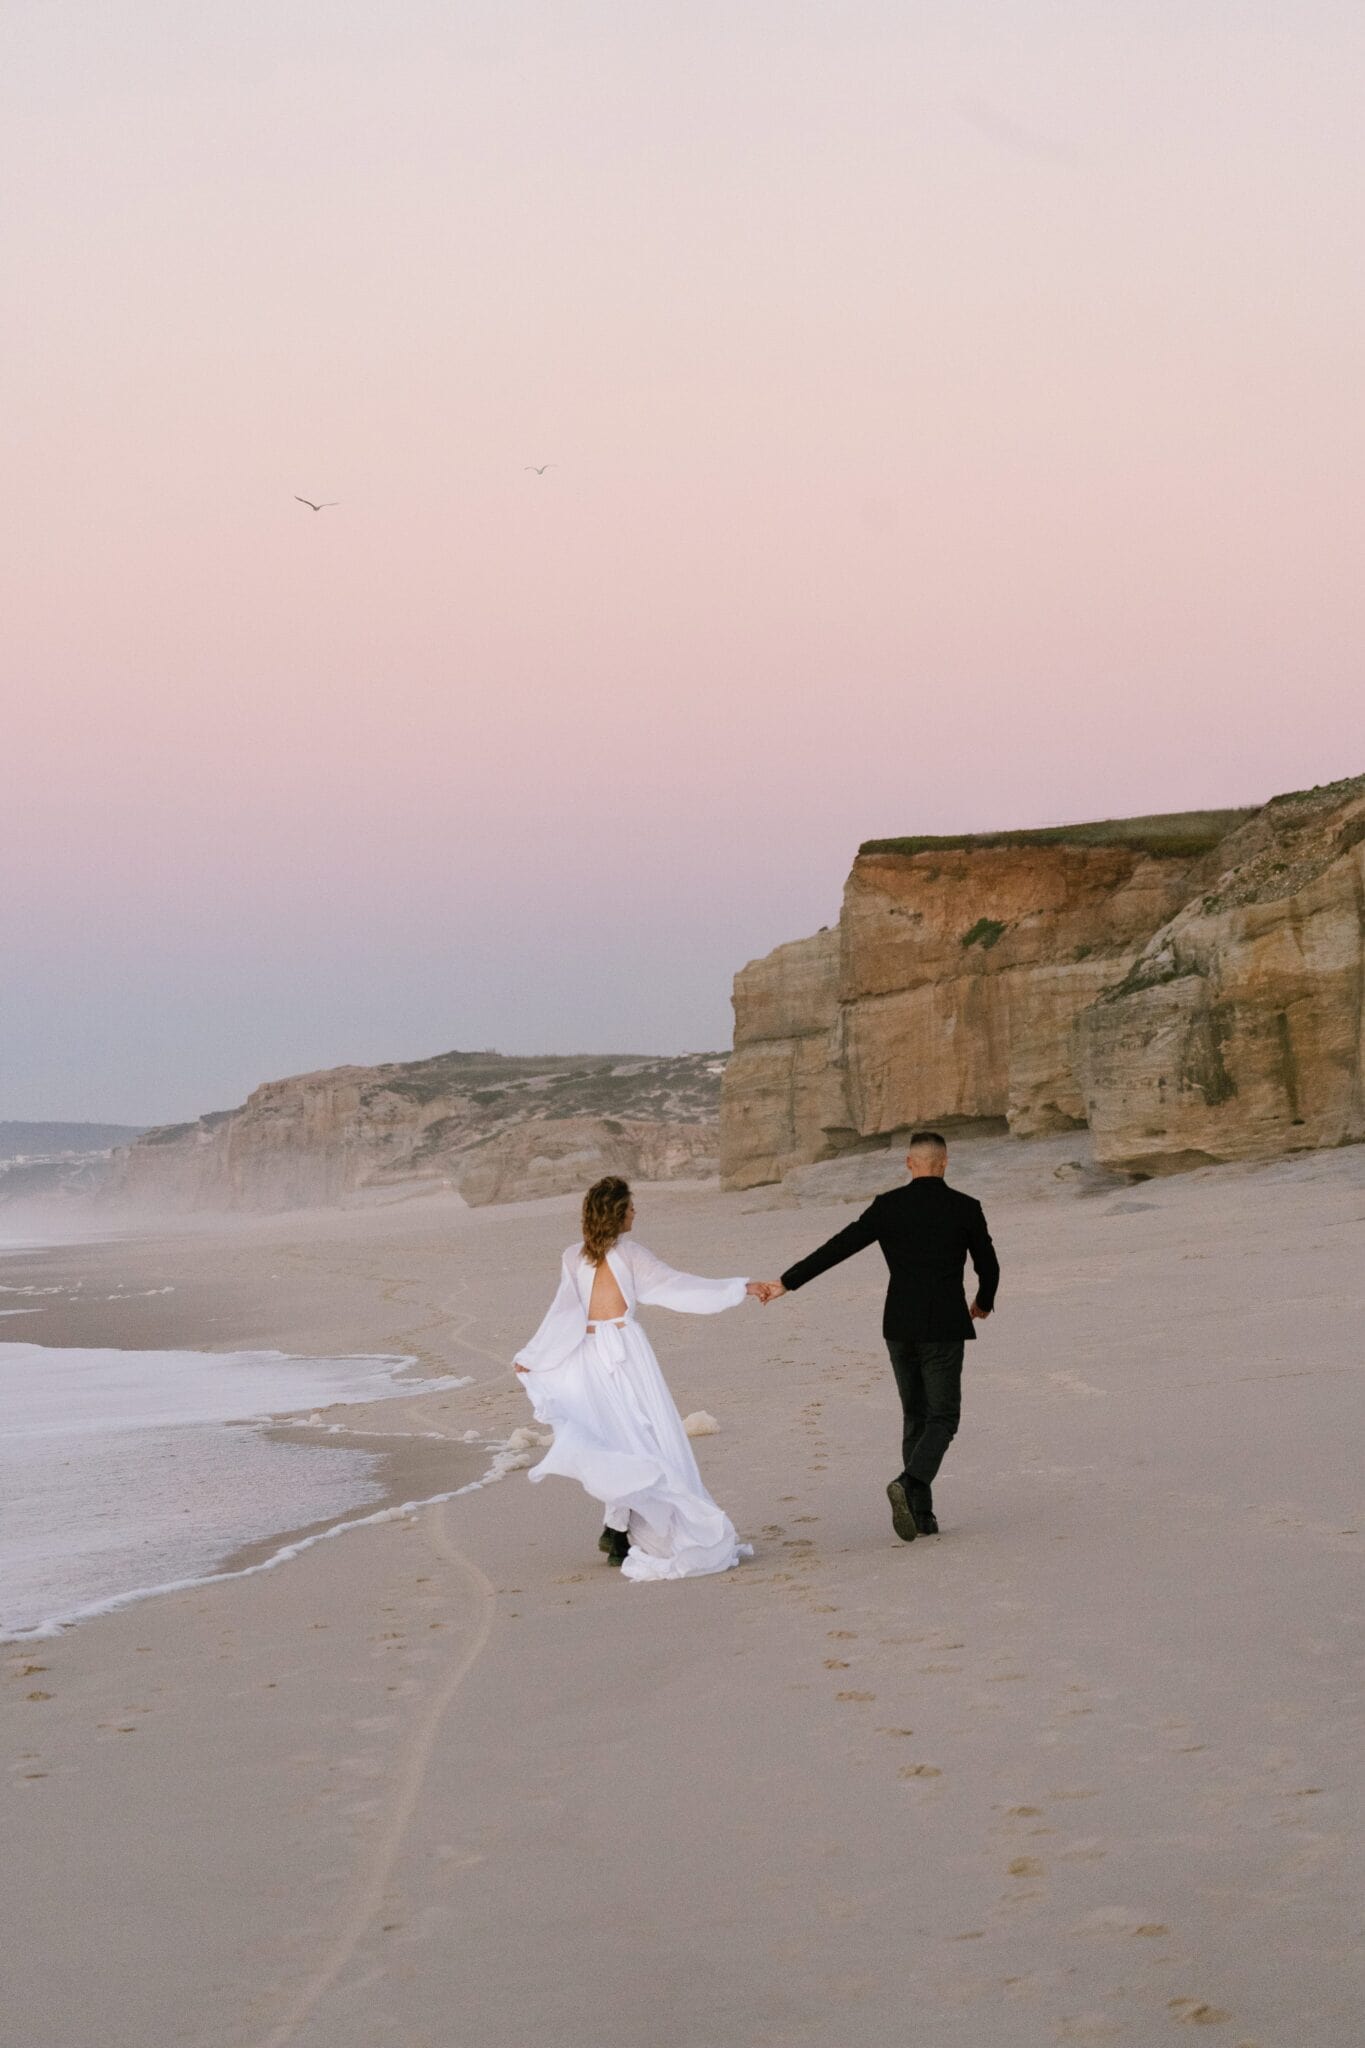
(1176,835)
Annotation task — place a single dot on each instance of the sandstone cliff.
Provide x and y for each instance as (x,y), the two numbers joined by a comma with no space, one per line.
(498,1129)
(1239,1032)
(1126,974)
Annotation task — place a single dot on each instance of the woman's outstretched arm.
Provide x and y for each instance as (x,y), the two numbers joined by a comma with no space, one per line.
(662,1286)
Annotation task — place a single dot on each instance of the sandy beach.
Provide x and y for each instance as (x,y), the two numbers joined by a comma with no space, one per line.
(1085,1768)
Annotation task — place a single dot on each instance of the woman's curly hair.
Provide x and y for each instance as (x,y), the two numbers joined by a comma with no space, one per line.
(604,1216)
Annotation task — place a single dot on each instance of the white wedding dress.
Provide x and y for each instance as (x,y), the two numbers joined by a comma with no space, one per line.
(617,1430)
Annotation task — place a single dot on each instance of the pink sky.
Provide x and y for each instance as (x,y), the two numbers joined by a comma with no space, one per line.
(957,418)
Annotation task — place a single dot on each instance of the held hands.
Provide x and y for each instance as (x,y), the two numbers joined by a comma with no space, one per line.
(765,1290)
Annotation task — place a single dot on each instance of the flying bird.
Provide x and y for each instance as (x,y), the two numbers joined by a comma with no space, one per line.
(541,468)
(314,507)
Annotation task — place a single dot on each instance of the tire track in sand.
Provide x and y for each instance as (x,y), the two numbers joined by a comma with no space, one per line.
(379,1864)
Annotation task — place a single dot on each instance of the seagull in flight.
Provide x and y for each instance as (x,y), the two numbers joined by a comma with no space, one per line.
(541,468)
(315,507)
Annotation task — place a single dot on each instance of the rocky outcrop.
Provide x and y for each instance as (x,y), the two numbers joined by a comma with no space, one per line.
(1190,986)
(783,1096)
(1239,1032)
(947,991)
(558,1156)
(495,1128)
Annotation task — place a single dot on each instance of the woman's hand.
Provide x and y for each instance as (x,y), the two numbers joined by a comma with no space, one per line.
(520,1368)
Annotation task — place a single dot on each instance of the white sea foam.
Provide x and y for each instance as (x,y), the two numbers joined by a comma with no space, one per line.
(55,1624)
(118,1474)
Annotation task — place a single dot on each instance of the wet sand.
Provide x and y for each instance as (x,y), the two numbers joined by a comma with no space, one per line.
(1083,1769)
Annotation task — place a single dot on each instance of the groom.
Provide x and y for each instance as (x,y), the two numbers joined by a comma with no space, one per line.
(926,1230)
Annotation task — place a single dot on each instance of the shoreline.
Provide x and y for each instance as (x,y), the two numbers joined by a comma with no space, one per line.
(266,1553)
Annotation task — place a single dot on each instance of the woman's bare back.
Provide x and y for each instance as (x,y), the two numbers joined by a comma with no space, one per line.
(606,1302)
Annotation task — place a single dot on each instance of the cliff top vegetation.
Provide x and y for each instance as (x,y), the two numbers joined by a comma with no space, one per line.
(1174,835)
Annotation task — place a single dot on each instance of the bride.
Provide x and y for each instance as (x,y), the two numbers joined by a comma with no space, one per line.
(591,1373)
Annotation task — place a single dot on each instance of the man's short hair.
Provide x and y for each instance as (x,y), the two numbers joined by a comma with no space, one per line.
(928,1141)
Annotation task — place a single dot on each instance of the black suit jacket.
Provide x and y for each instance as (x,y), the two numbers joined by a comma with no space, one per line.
(925,1230)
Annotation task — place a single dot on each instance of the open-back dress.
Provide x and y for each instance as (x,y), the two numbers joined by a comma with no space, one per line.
(616,1428)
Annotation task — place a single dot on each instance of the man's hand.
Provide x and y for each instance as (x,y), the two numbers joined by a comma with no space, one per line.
(978,1313)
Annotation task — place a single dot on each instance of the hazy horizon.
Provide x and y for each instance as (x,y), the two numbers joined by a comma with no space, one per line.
(956,427)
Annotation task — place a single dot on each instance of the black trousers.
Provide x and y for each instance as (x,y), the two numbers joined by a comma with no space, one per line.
(929,1377)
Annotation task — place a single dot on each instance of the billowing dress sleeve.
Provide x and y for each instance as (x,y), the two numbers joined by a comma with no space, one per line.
(563,1327)
(658,1286)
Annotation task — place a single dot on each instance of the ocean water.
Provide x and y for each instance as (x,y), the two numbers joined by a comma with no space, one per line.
(124,1472)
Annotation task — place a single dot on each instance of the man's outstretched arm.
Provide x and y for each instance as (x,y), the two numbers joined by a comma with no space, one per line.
(856,1237)
(984,1260)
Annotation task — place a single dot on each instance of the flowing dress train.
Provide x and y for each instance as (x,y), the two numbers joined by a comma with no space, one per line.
(616,1428)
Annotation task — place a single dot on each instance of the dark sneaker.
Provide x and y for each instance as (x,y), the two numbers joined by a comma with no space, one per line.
(926,1521)
(902,1515)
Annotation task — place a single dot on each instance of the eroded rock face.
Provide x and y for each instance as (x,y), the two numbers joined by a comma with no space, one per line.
(963,971)
(499,1129)
(1191,987)
(565,1157)
(945,994)
(1238,1032)
(783,1093)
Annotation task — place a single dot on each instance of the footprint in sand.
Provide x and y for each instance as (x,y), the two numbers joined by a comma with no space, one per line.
(1088,2026)
(1196,2012)
(1024,1812)
(831,1664)
(855,1695)
(842,1635)
(1025,1866)
(37,1695)
(919,1771)
(895,1731)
